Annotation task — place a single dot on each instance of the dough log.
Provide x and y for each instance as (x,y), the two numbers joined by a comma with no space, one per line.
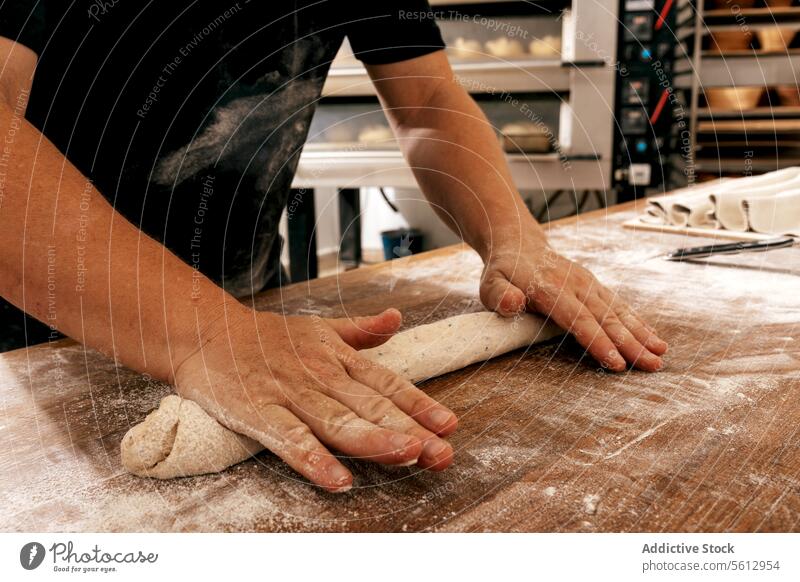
(179,438)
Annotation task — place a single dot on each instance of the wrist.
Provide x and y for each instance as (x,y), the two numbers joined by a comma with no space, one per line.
(198,325)
(513,239)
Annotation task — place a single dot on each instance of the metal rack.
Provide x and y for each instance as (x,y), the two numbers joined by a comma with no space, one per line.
(769,134)
(583,77)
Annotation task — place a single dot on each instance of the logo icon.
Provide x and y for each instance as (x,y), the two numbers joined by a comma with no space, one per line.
(404,249)
(31,555)
(399,251)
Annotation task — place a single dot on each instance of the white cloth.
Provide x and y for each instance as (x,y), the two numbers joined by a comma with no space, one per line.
(769,204)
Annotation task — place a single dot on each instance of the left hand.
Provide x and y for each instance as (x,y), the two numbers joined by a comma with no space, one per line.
(298,385)
(530,275)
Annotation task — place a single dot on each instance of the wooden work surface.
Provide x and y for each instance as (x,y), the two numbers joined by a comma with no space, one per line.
(547,441)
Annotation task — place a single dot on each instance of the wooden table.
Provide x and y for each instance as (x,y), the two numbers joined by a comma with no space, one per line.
(547,441)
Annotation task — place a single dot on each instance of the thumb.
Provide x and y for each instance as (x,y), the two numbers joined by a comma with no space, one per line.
(367,332)
(500,295)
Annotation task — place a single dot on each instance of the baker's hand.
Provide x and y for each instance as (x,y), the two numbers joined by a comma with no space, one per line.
(532,275)
(299,386)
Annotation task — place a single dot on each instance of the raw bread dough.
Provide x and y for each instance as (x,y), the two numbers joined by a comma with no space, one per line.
(523,128)
(549,46)
(339,133)
(431,350)
(180,439)
(375,134)
(464,48)
(504,48)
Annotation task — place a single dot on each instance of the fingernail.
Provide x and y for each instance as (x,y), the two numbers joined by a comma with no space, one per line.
(340,476)
(400,442)
(440,417)
(435,447)
(615,359)
(408,463)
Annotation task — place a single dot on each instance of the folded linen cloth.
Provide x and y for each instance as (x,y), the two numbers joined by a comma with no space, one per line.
(769,204)
(685,207)
(779,214)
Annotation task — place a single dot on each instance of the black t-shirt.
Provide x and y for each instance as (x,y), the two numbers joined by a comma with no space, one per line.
(177,109)
(189,116)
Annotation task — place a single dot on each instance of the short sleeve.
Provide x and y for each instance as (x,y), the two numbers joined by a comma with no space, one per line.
(24,22)
(393,30)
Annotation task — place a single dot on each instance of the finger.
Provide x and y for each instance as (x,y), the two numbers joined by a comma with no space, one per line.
(408,398)
(573,316)
(627,344)
(400,405)
(379,410)
(500,295)
(367,332)
(641,331)
(338,426)
(294,442)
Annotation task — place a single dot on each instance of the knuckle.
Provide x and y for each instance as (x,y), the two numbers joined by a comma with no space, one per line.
(622,308)
(379,408)
(420,403)
(339,421)
(389,383)
(551,283)
(297,435)
(618,335)
(619,339)
(582,319)
(349,358)
(610,319)
(622,314)
(396,386)
(361,366)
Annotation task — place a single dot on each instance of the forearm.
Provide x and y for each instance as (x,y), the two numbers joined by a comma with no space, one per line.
(462,170)
(74,263)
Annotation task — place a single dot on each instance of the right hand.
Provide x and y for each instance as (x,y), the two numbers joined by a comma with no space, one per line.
(298,386)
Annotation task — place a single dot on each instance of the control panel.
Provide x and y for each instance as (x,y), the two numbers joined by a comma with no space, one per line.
(644,95)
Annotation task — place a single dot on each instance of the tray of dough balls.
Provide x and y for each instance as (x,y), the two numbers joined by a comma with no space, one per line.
(471,38)
(474,38)
(524,123)
(350,127)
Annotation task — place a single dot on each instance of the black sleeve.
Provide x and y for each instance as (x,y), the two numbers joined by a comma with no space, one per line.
(393,30)
(23,21)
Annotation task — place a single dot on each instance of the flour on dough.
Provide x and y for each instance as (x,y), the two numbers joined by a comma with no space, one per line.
(179,438)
